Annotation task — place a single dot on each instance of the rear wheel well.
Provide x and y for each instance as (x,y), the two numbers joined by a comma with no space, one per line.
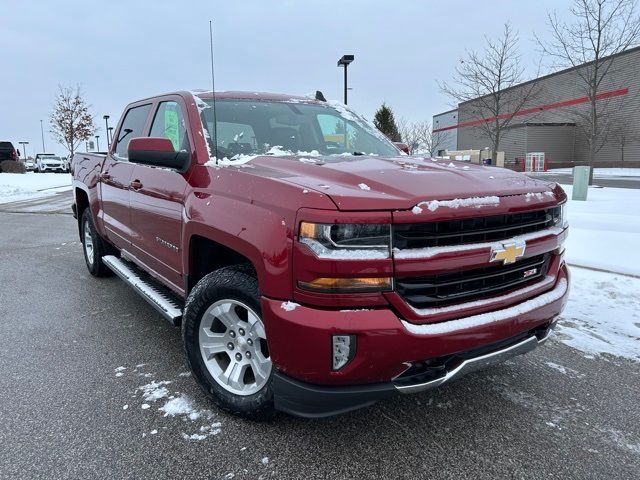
(206,255)
(82,203)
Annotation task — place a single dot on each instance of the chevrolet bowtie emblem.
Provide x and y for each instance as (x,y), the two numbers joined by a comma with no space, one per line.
(508,252)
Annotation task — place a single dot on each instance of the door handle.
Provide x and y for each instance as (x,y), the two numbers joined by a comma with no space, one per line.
(105,176)
(136,184)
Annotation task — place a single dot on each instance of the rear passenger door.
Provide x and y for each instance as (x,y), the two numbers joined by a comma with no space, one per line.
(157,198)
(115,178)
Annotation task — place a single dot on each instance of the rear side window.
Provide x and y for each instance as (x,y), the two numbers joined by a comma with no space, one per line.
(132,127)
(169,123)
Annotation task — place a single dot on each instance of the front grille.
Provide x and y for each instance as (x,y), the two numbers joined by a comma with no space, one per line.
(473,230)
(467,285)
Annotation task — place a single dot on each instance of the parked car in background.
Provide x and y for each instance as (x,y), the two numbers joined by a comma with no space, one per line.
(47,162)
(66,161)
(30,164)
(8,151)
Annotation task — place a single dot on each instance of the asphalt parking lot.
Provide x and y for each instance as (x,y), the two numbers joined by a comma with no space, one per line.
(76,351)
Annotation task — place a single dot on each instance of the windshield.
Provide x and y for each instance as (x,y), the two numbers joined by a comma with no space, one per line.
(246,127)
(51,157)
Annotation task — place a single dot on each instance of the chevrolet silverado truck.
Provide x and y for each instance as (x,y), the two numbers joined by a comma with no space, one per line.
(313,267)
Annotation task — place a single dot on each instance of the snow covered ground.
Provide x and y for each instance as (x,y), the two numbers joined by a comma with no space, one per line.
(604,231)
(15,186)
(603,314)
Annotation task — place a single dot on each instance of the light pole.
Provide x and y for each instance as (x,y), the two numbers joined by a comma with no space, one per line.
(24,148)
(110,136)
(106,123)
(345,61)
(44,150)
(97,143)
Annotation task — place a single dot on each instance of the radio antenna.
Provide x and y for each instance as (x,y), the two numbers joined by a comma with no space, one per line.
(213,94)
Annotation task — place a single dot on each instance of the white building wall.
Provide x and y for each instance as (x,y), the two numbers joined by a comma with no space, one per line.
(448,137)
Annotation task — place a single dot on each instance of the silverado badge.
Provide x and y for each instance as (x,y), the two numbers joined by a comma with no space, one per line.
(508,252)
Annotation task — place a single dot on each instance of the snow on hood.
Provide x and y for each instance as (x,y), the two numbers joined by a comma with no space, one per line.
(390,183)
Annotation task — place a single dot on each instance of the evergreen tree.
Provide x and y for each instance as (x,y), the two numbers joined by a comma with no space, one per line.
(386,123)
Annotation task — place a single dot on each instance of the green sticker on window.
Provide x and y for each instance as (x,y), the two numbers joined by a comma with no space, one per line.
(171,130)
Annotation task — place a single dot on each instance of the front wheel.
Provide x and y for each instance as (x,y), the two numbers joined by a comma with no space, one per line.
(226,342)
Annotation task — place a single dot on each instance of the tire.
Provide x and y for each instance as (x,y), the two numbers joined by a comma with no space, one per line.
(93,246)
(223,311)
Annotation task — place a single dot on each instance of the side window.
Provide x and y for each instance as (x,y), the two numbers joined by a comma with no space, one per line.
(132,127)
(169,123)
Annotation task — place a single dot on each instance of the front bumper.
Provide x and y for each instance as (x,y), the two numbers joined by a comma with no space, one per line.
(315,401)
(394,355)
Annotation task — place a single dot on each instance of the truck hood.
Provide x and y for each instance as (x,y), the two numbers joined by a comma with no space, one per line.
(392,183)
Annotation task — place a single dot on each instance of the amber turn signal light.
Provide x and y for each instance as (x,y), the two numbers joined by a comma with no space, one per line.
(345,285)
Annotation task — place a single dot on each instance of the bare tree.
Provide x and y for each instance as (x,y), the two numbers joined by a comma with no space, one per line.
(420,137)
(624,132)
(485,80)
(600,29)
(71,122)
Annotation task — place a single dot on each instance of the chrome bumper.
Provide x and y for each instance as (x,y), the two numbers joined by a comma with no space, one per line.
(477,363)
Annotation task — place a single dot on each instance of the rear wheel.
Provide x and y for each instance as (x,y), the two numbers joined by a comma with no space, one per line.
(93,246)
(226,342)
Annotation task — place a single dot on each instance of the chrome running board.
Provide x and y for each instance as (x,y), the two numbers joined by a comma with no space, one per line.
(476,363)
(162,302)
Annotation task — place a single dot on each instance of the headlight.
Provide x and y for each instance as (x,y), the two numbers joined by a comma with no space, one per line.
(560,216)
(348,241)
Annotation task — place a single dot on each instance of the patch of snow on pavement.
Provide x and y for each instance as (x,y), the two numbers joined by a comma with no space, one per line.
(602,315)
(154,391)
(564,370)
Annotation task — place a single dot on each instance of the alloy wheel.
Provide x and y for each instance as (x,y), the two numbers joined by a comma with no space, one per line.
(233,345)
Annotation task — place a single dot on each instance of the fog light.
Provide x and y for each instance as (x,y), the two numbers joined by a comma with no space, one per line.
(344,349)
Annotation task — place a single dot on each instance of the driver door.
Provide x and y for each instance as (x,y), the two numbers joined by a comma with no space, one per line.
(157,199)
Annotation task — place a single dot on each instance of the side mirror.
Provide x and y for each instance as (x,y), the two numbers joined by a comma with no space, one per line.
(158,152)
(402,147)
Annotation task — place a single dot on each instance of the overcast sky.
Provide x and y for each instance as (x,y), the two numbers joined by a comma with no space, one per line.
(120,51)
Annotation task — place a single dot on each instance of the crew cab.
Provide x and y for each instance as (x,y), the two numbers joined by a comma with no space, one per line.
(313,267)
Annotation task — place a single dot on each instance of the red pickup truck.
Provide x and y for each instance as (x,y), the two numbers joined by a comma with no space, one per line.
(315,268)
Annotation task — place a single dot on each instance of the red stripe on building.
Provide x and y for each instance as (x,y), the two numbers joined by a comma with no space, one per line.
(528,111)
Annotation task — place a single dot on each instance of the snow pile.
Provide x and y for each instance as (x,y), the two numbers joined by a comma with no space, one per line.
(602,315)
(16,186)
(177,405)
(537,195)
(604,231)
(154,391)
(477,202)
(275,151)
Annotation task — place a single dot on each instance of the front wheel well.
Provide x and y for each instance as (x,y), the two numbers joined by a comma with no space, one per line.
(206,255)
